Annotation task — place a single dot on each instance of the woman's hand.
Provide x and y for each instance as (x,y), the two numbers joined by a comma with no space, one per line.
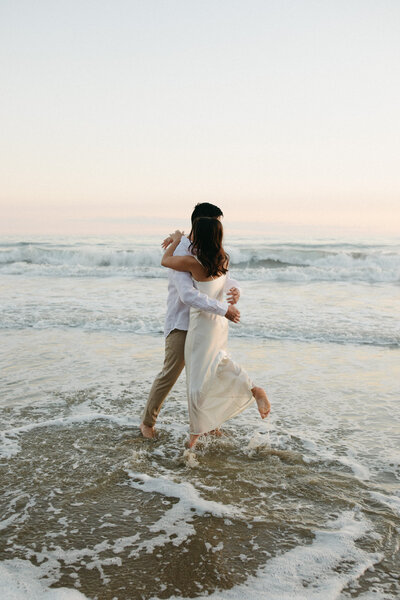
(166,242)
(172,238)
(175,262)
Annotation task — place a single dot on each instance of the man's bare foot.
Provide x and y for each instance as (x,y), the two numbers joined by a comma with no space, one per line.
(147,432)
(193,440)
(264,406)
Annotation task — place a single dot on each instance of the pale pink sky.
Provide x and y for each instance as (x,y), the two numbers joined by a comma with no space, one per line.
(119,114)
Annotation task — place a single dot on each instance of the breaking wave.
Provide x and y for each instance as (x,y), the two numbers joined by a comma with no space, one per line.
(268,262)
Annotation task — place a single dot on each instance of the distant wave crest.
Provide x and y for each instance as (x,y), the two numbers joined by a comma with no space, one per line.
(275,262)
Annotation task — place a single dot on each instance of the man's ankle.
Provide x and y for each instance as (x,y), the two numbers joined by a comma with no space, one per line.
(148,431)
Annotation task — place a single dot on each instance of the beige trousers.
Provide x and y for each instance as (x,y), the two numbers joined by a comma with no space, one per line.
(174,361)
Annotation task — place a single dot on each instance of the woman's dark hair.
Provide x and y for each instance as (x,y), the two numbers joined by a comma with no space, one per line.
(207,234)
(205,209)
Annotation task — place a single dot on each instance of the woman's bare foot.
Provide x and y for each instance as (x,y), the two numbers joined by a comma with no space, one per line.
(216,432)
(193,440)
(264,406)
(147,432)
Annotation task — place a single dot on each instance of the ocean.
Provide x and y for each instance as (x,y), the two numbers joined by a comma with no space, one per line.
(304,505)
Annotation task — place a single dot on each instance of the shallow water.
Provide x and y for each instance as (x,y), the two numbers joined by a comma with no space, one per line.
(304,505)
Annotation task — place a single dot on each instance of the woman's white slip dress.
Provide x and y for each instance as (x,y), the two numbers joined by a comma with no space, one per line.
(217,388)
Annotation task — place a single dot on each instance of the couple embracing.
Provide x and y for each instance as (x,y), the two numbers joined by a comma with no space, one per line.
(196,331)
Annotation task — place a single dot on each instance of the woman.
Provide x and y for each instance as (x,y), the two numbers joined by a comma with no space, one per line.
(218,389)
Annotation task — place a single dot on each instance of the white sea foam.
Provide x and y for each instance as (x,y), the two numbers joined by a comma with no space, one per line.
(375,594)
(175,525)
(319,451)
(9,445)
(51,560)
(190,458)
(21,580)
(322,569)
(270,262)
(327,313)
(392,502)
(300,328)
(189,498)
(26,503)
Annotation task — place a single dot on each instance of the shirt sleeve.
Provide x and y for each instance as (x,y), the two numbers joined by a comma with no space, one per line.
(182,248)
(193,297)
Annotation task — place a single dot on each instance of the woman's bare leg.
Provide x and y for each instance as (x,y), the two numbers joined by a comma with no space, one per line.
(193,440)
(264,406)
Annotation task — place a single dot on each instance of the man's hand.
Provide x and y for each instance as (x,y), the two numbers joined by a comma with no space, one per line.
(233,295)
(233,314)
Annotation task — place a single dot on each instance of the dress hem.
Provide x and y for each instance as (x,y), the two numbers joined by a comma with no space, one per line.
(234,414)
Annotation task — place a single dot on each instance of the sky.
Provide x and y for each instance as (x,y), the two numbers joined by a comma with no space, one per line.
(118,117)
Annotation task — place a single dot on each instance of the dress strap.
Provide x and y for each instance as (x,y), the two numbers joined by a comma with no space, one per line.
(201,264)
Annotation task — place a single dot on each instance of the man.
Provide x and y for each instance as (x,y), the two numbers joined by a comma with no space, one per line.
(181,296)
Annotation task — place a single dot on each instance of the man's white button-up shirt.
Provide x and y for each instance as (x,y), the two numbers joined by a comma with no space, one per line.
(182,294)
